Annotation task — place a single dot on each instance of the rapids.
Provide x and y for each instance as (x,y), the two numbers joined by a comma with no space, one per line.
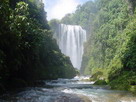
(69,90)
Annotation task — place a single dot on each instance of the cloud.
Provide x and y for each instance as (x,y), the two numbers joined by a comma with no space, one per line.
(59,8)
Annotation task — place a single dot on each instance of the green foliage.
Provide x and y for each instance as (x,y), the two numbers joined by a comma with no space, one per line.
(54,24)
(123,73)
(82,16)
(124,81)
(100,82)
(96,76)
(27,50)
(110,51)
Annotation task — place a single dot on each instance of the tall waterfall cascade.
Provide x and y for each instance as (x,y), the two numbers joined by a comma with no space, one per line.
(70,39)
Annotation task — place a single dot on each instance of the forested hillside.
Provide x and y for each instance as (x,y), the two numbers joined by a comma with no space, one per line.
(110,52)
(27,50)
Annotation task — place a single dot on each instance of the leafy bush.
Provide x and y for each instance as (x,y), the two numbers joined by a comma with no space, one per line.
(100,82)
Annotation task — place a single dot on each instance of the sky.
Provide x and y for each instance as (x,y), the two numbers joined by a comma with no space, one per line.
(59,8)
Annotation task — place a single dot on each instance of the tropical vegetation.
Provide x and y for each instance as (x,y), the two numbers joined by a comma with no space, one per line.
(110,52)
(28,51)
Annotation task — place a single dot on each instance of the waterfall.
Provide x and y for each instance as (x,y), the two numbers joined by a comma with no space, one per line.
(70,39)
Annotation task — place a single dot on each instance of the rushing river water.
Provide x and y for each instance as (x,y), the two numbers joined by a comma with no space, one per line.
(69,90)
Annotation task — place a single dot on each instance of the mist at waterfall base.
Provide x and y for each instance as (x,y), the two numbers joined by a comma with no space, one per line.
(70,39)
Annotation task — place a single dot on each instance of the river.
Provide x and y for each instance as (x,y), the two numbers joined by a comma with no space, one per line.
(69,90)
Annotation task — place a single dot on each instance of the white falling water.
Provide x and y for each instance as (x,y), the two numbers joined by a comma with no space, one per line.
(70,39)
